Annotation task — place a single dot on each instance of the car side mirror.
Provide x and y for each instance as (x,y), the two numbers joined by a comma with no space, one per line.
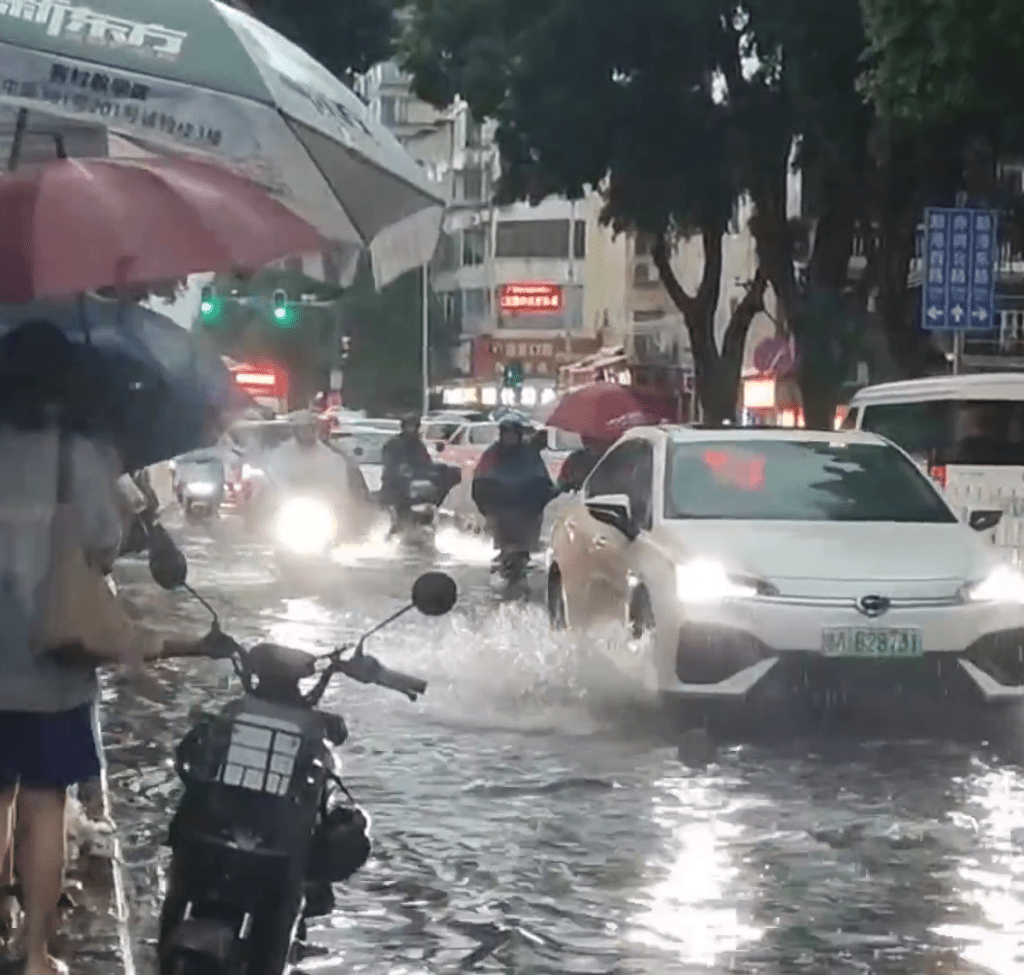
(439,448)
(984,520)
(614,510)
(357,451)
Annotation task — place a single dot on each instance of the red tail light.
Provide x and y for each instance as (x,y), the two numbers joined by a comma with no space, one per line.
(937,472)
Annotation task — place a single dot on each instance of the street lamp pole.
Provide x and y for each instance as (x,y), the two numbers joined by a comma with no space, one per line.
(425,351)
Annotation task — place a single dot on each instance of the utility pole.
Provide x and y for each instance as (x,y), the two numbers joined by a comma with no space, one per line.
(426,338)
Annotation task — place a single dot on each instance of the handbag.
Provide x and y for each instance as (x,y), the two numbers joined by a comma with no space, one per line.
(79,619)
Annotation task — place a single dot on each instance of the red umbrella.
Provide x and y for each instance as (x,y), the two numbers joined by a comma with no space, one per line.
(604,411)
(73,225)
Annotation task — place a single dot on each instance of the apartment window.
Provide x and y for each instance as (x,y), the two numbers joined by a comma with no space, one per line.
(447,258)
(470,184)
(474,133)
(389,110)
(648,315)
(450,303)
(474,246)
(532,239)
(475,302)
(641,273)
(579,240)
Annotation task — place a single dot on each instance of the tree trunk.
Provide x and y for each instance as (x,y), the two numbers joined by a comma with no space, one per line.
(718,396)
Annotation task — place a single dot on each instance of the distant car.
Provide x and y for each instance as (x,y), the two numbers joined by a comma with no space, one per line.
(788,566)
(366,447)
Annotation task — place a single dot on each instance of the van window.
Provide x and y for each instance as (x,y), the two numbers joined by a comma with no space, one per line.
(850,420)
(485,434)
(976,432)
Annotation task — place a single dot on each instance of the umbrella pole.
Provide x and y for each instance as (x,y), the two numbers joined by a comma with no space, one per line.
(19,135)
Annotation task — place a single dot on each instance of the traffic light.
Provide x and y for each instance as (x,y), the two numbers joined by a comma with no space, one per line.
(513,375)
(209,304)
(284,314)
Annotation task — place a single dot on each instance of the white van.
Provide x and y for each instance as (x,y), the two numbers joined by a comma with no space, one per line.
(968,431)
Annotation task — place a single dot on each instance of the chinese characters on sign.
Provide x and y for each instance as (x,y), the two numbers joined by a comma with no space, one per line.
(64,20)
(114,98)
(530,298)
(958,277)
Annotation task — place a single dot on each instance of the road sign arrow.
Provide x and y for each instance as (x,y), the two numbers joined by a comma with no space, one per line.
(934,313)
(980,314)
(957,312)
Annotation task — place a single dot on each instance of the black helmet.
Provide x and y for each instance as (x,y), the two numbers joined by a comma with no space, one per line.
(409,420)
(511,422)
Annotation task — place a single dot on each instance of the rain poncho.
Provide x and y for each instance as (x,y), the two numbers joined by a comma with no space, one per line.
(28,497)
(317,466)
(512,477)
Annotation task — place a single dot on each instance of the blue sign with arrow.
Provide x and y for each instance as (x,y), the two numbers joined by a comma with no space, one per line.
(958,273)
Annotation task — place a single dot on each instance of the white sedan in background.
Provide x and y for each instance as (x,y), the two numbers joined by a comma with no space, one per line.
(786,564)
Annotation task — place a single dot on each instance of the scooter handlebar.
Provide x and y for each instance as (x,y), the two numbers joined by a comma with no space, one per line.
(369,670)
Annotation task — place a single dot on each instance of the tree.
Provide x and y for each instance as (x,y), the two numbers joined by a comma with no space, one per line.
(946,61)
(383,369)
(584,99)
(347,36)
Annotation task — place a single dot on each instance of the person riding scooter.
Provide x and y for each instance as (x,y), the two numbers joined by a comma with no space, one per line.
(511,488)
(405,457)
(306,465)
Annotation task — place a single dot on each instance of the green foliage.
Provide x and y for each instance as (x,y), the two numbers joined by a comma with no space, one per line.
(346,36)
(949,61)
(383,365)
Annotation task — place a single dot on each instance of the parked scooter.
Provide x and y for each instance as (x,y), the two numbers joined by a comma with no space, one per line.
(266,824)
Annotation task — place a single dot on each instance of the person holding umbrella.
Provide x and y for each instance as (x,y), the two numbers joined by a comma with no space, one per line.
(55,454)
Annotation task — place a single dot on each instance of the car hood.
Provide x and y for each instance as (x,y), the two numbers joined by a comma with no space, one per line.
(806,557)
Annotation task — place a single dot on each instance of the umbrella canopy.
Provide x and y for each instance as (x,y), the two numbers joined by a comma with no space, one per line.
(71,225)
(604,411)
(199,76)
(154,387)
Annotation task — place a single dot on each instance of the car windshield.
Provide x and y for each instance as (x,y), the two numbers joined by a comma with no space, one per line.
(792,480)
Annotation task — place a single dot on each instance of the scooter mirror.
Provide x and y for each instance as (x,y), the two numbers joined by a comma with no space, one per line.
(434,593)
(167,563)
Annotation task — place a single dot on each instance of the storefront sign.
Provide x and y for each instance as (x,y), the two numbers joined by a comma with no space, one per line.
(530,298)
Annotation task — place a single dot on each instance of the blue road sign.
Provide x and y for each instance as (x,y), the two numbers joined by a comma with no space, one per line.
(958,275)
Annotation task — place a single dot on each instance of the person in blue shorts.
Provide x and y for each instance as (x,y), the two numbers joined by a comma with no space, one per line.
(47,740)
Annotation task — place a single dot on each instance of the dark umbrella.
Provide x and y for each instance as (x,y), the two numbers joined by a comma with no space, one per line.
(151,385)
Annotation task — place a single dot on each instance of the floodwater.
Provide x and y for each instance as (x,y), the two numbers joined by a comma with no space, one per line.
(529,819)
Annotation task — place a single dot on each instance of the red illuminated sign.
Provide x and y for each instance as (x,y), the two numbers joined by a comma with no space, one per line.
(258,380)
(530,298)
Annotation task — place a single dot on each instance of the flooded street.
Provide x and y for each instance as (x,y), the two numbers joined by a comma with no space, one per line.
(528,819)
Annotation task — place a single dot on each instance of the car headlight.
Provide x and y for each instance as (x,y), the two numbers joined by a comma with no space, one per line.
(305,526)
(708,581)
(1004,584)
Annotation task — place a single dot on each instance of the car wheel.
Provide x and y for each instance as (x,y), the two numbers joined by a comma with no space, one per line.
(557,615)
(640,615)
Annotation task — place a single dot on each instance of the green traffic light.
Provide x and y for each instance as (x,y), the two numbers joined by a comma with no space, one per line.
(210,309)
(285,316)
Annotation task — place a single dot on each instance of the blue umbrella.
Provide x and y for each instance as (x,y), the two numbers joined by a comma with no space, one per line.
(154,387)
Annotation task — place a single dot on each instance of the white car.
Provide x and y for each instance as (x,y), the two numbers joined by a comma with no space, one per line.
(788,564)
(365,445)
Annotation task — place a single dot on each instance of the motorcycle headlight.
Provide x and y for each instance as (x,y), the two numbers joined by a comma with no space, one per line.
(1004,584)
(305,526)
(708,581)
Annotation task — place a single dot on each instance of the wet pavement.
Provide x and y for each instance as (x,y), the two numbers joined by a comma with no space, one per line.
(528,819)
